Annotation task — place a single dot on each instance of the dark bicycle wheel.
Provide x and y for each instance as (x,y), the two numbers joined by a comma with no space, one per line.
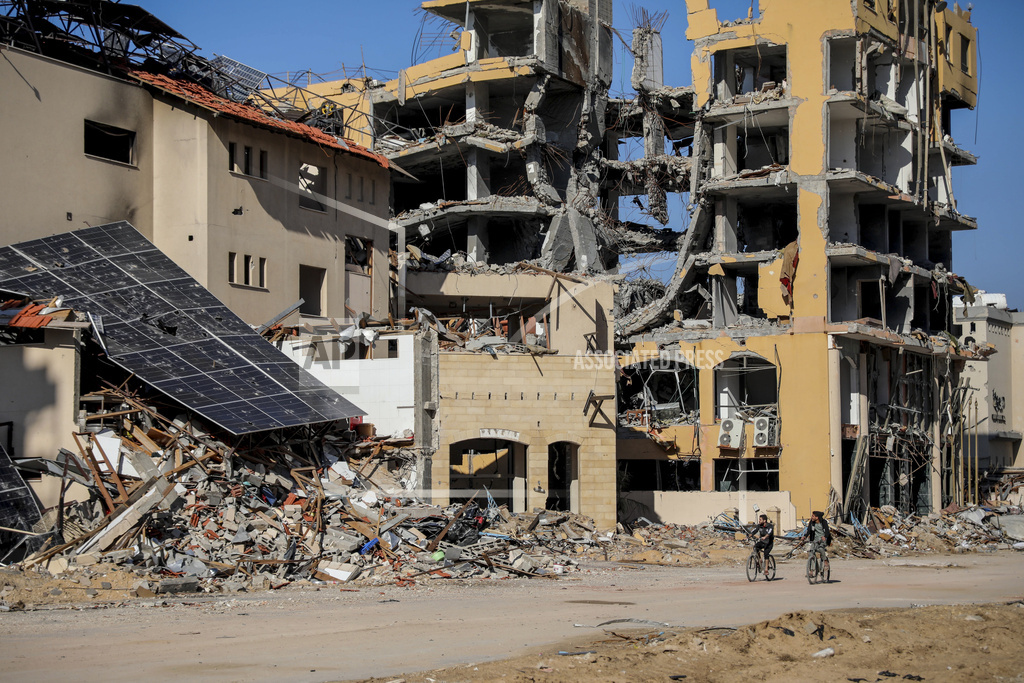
(812,567)
(752,567)
(771,569)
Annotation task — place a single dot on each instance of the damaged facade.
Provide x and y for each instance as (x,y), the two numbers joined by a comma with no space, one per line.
(814,272)
(462,222)
(258,208)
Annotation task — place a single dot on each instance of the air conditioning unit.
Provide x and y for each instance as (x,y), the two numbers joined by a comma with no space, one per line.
(730,433)
(766,432)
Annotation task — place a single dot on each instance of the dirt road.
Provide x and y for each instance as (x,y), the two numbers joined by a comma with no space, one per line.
(310,635)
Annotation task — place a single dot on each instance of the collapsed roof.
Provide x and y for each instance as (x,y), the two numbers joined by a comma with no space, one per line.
(154,320)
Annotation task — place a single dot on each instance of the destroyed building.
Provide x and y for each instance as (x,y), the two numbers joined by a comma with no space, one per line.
(817,170)
(815,272)
(118,118)
(120,327)
(800,355)
(496,153)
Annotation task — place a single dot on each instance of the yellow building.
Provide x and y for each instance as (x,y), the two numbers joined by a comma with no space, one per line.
(809,358)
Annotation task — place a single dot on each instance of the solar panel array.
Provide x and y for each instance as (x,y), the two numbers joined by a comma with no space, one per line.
(156,321)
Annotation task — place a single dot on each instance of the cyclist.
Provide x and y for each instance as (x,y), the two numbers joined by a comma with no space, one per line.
(818,533)
(764,533)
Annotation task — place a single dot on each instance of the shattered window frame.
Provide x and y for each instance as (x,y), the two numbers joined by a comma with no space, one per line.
(307,274)
(685,396)
(667,475)
(765,473)
(740,369)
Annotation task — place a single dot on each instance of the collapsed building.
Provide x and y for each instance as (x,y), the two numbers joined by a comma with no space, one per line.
(462,222)
(816,164)
(120,323)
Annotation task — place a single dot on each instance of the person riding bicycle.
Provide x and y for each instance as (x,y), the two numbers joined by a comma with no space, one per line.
(764,533)
(818,533)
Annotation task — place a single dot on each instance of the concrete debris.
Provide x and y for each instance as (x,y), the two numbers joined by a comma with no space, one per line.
(266,513)
(977,528)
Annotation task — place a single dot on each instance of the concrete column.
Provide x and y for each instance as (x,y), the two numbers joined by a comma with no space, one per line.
(725,154)
(835,410)
(477,176)
(477,101)
(400,302)
(477,241)
(935,471)
(725,225)
(725,75)
(476,29)
(863,424)
(537,468)
(477,170)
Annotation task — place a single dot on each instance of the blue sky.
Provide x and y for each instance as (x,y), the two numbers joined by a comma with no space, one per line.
(331,38)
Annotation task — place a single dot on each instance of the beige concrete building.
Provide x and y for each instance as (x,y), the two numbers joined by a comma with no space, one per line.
(797,357)
(260,210)
(535,425)
(995,420)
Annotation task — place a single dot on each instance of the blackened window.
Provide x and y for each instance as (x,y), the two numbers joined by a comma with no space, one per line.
(109,142)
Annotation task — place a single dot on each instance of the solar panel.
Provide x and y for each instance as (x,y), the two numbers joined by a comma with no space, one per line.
(242,79)
(162,325)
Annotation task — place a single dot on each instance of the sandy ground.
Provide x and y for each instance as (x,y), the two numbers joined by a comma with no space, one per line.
(304,634)
(940,643)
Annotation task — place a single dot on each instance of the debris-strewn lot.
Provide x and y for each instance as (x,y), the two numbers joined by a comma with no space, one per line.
(195,514)
(940,643)
(175,507)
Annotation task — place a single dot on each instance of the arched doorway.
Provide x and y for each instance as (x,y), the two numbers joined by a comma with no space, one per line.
(497,465)
(563,477)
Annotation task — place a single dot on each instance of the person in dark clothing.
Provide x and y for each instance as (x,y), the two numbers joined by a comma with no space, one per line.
(818,533)
(764,532)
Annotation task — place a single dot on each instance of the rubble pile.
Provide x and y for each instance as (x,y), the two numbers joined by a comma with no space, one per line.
(955,529)
(186,508)
(188,511)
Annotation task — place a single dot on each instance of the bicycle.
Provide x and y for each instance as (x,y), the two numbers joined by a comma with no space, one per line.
(756,567)
(818,569)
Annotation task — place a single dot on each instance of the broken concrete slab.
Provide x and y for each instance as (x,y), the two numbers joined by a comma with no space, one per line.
(1012,526)
(188,584)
